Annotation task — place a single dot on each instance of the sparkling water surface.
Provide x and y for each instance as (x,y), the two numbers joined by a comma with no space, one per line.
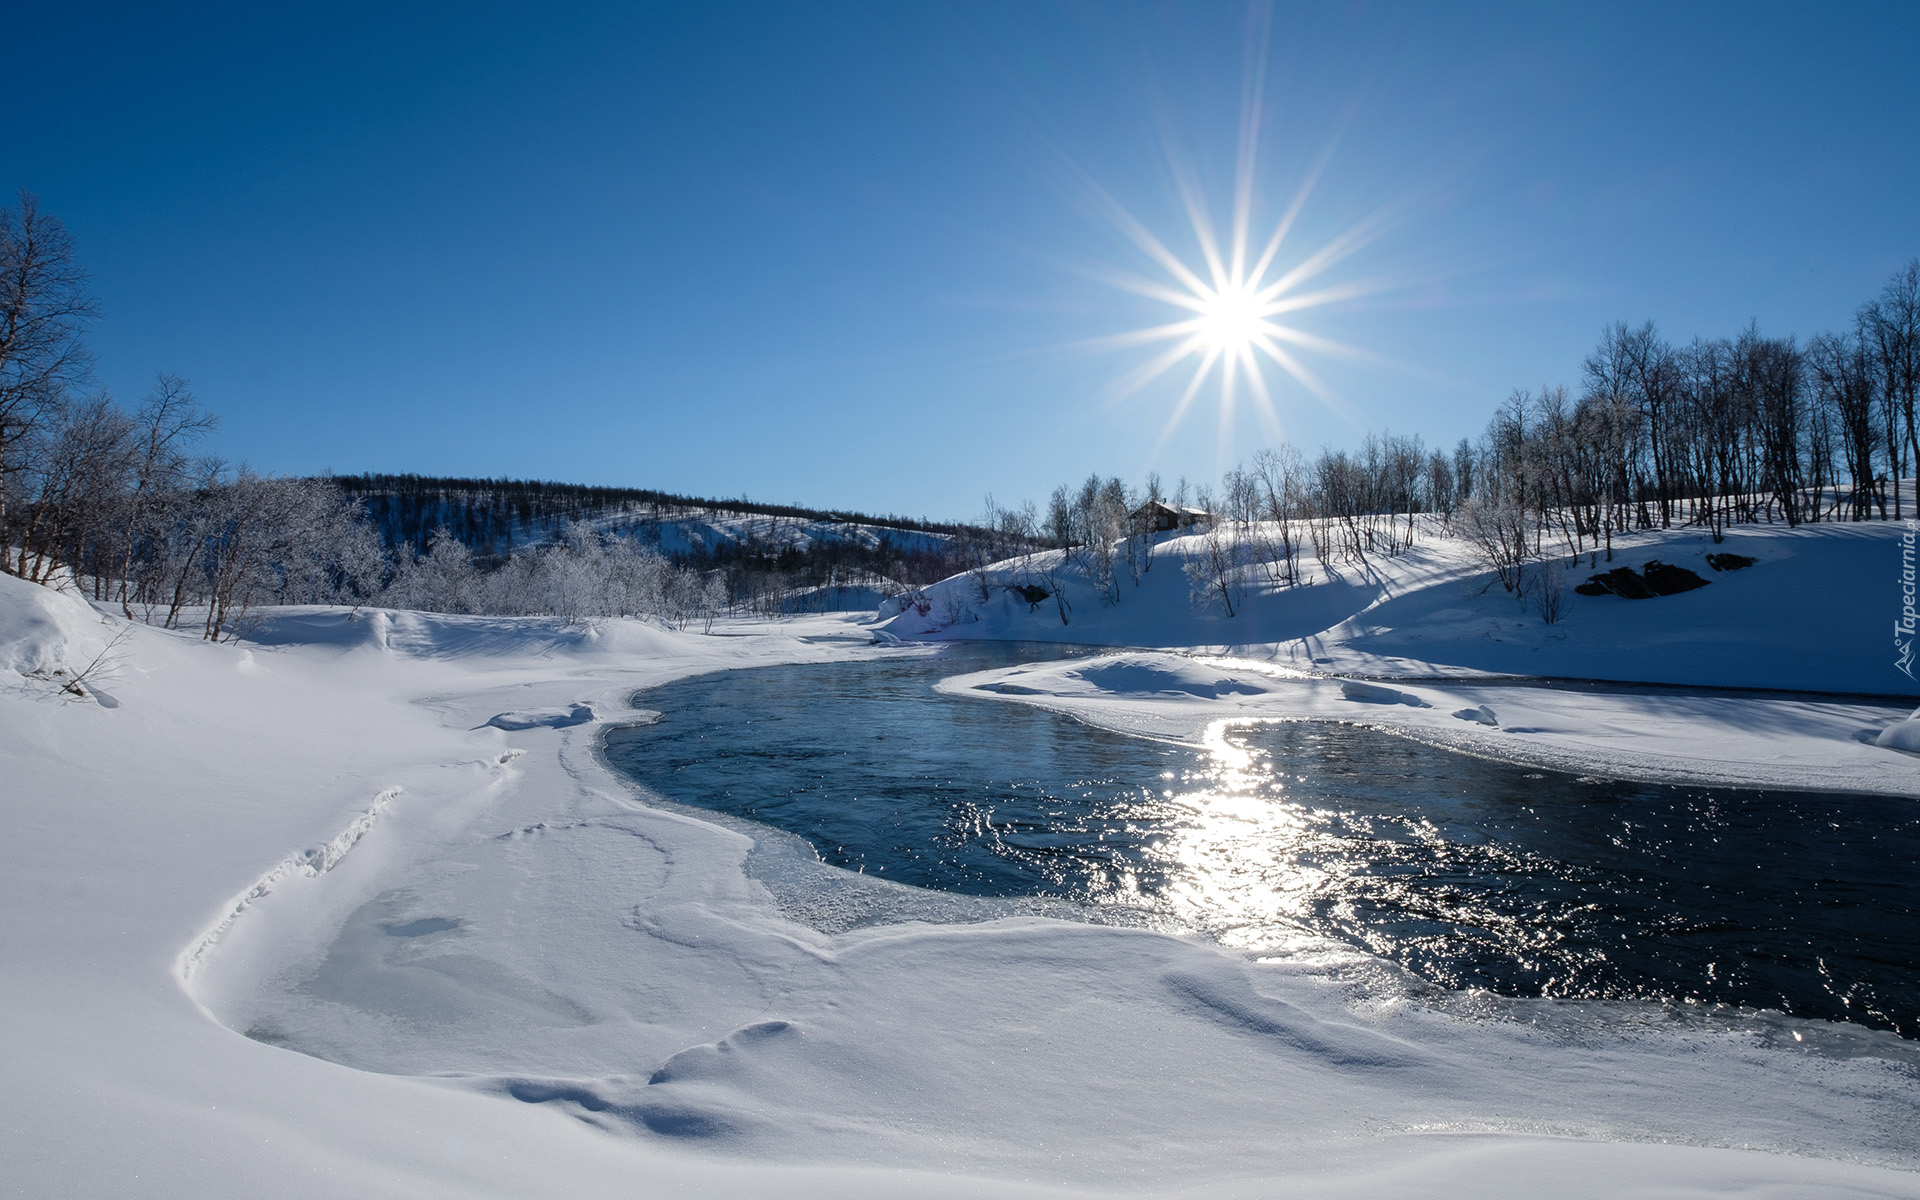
(1471,874)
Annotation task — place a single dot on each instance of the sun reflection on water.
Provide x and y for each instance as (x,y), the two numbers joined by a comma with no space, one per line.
(1230,847)
(1324,844)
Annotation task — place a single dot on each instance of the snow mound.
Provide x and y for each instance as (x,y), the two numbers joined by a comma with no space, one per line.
(549,718)
(1481,715)
(47,634)
(1158,610)
(1011,689)
(1901,735)
(1162,676)
(1373,693)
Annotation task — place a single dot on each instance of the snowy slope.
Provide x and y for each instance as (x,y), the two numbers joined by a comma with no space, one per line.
(1814,613)
(535,984)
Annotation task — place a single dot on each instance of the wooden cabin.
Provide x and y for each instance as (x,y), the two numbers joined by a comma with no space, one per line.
(1159,517)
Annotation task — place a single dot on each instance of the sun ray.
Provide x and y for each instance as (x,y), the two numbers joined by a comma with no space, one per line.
(1186,400)
(1331,295)
(1321,390)
(1150,370)
(1313,341)
(1134,231)
(1131,338)
(1343,246)
(1151,289)
(1252,103)
(1262,395)
(1201,220)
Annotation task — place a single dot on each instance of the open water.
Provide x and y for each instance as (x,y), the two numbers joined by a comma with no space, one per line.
(1468,873)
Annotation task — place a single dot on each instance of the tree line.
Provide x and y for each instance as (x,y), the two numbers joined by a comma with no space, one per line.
(1265,520)
(492,516)
(1717,432)
(118,501)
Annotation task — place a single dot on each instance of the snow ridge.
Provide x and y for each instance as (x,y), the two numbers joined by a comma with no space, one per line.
(311,863)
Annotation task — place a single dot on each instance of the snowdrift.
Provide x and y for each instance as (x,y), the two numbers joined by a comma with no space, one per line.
(48,635)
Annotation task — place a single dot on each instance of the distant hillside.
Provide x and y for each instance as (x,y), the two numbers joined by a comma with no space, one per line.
(822,557)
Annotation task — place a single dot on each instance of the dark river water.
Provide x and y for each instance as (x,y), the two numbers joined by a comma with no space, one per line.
(1466,872)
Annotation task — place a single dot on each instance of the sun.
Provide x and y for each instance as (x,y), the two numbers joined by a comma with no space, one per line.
(1230,319)
(1238,303)
(1236,306)
(1238,300)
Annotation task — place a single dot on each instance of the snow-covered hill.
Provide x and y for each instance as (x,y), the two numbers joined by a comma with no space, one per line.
(493,517)
(1815,612)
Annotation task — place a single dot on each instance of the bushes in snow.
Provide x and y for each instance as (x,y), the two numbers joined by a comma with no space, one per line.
(586,574)
(111,500)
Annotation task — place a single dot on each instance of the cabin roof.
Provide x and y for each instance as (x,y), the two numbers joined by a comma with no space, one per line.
(1185,510)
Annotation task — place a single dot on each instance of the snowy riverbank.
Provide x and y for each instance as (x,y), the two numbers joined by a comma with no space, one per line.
(1814,612)
(538,985)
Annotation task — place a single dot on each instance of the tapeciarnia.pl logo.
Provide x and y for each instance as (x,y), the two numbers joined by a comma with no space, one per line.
(1903,629)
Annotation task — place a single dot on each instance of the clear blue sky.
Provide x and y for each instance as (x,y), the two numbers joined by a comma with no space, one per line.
(830,253)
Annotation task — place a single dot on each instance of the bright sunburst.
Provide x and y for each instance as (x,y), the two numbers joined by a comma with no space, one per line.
(1234,301)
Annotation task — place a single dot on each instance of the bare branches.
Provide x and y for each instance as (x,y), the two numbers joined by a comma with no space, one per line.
(44,307)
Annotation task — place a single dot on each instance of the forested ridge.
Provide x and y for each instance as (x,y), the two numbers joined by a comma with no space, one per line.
(495,515)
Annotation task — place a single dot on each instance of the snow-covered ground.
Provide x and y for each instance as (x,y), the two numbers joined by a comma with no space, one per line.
(389,839)
(1815,612)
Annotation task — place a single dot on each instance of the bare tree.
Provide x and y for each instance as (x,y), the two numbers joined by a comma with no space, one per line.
(1843,384)
(1210,568)
(1499,532)
(1890,327)
(44,307)
(1280,477)
(73,483)
(168,420)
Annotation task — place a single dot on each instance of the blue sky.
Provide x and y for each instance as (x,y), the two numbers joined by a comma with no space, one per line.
(840,253)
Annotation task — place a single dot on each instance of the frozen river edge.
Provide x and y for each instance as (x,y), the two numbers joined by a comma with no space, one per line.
(139,829)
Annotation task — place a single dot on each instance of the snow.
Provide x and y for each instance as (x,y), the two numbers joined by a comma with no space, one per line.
(1660,736)
(516,976)
(553,718)
(1479,714)
(1373,693)
(47,634)
(1901,735)
(1812,614)
(1801,619)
